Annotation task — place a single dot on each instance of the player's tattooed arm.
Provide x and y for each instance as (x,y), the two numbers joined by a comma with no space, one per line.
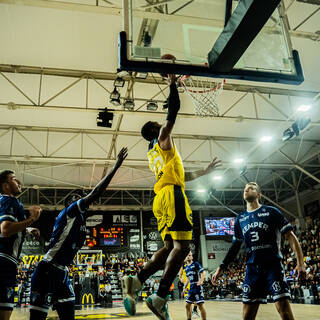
(164,138)
(103,184)
(215,163)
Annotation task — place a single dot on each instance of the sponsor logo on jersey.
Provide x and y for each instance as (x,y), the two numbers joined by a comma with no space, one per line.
(264,214)
(244,218)
(255,224)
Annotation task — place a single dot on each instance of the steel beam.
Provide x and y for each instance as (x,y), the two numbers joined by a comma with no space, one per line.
(98,75)
(139,14)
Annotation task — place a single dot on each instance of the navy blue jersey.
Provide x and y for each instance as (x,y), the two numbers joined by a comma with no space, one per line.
(193,271)
(261,231)
(11,209)
(68,235)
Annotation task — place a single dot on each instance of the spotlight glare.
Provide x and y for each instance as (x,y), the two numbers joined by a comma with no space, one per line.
(238,160)
(304,108)
(217,178)
(201,190)
(266,139)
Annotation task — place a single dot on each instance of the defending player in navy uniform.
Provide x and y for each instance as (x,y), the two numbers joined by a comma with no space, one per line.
(50,284)
(195,276)
(260,228)
(13,227)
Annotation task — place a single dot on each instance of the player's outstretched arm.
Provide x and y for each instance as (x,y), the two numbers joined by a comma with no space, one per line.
(102,185)
(164,138)
(300,269)
(215,163)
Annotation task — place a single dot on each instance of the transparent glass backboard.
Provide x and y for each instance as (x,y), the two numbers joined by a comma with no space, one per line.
(188,31)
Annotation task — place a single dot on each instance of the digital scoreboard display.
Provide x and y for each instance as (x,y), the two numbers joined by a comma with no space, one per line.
(106,236)
(219,226)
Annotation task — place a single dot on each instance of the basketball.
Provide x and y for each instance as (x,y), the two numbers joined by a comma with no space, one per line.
(167,56)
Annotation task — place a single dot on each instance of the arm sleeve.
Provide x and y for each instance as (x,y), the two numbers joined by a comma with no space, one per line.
(231,254)
(173,103)
(281,222)
(238,236)
(7,211)
(236,244)
(200,267)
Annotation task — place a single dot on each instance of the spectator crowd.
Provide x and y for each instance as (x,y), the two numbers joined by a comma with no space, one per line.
(229,286)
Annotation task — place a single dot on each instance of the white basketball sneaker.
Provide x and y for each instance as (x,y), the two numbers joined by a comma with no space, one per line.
(131,286)
(158,306)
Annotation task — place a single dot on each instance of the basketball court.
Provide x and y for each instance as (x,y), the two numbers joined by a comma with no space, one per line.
(215,310)
(79,78)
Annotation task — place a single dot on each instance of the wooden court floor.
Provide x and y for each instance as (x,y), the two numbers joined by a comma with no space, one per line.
(219,310)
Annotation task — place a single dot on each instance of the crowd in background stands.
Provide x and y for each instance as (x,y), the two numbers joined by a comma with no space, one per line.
(229,286)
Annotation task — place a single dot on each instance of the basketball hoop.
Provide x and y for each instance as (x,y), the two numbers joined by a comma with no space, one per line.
(204,94)
(89,261)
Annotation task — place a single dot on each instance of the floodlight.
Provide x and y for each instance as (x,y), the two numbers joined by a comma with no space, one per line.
(304,108)
(115,97)
(119,82)
(287,134)
(152,106)
(129,104)
(266,139)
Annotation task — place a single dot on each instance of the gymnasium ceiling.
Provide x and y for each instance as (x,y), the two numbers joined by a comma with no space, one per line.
(58,61)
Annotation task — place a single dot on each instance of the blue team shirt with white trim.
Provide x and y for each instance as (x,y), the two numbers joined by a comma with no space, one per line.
(261,231)
(193,271)
(68,235)
(11,209)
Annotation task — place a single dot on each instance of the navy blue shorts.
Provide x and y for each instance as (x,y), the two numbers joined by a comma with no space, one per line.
(195,295)
(8,275)
(263,280)
(50,285)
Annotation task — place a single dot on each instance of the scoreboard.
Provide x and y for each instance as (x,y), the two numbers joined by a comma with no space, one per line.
(107,237)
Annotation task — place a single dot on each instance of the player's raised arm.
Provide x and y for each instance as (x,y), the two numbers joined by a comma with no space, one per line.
(215,163)
(102,185)
(164,138)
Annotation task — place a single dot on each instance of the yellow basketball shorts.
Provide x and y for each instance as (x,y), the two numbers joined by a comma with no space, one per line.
(173,213)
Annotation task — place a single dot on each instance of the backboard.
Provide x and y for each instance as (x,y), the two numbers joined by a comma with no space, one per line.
(246,39)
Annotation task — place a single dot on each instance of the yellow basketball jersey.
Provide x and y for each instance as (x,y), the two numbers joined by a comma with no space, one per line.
(167,167)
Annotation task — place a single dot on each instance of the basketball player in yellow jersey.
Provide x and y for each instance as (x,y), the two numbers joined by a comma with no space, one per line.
(170,207)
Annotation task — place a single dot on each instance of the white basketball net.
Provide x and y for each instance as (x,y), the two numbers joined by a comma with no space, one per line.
(204,93)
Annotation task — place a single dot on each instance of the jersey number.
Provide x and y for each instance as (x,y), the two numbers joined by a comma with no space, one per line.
(254,236)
